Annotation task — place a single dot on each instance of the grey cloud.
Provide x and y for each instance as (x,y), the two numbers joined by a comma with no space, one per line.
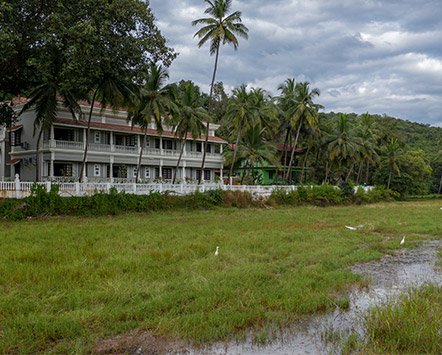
(364,55)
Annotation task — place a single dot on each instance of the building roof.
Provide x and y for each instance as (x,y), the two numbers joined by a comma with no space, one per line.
(129,129)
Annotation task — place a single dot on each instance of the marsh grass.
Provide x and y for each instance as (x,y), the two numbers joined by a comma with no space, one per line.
(410,325)
(66,282)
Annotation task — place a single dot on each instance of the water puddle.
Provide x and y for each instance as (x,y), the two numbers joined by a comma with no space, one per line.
(389,276)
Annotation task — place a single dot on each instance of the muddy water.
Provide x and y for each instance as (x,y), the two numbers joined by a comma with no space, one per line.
(389,276)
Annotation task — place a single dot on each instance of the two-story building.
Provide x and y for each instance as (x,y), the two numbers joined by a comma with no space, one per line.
(113,150)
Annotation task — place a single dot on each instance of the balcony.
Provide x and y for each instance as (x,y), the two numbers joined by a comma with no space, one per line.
(124,149)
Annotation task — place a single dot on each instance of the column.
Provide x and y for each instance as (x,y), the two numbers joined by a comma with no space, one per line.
(51,137)
(84,138)
(183,172)
(111,141)
(111,167)
(51,170)
(139,143)
(161,167)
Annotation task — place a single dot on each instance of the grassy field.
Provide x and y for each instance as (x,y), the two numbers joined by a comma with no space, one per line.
(67,282)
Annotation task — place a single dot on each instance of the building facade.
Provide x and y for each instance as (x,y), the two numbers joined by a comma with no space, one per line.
(113,151)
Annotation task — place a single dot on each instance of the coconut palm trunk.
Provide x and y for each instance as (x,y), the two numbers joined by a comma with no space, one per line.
(367,172)
(140,157)
(206,141)
(303,165)
(292,156)
(37,156)
(389,180)
(358,178)
(235,151)
(349,172)
(179,159)
(88,130)
(284,153)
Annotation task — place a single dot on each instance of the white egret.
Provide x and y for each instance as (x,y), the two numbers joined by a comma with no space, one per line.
(351,228)
(217,251)
(403,240)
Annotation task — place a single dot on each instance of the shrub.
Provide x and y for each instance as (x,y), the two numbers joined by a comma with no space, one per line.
(239,199)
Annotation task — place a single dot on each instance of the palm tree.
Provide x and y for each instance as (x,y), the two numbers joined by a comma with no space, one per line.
(254,149)
(220,28)
(110,91)
(343,145)
(153,103)
(368,132)
(247,109)
(297,105)
(392,152)
(190,116)
(45,99)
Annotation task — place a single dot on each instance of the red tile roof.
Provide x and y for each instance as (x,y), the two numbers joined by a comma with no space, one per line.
(128,129)
(13,161)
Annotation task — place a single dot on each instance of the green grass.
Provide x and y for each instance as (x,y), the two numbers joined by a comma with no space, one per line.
(67,282)
(412,325)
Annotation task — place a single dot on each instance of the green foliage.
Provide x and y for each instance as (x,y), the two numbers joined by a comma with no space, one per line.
(413,177)
(411,326)
(76,42)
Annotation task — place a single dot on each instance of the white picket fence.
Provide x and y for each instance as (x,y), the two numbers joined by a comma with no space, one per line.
(20,189)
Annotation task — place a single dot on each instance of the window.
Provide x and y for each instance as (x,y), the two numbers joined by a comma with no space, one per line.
(218,148)
(271,174)
(167,173)
(209,148)
(15,137)
(198,147)
(157,173)
(97,137)
(119,171)
(97,170)
(157,143)
(207,175)
(147,172)
(63,134)
(134,172)
(62,169)
(147,145)
(167,144)
(131,141)
(198,174)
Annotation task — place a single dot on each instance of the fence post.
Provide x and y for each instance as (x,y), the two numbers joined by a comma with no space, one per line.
(17,186)
(77,188)
(135,188)
(181,188)
(161,187)
(108,187)
(48,186)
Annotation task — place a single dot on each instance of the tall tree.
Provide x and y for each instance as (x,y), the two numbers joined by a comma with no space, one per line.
(344,145)
(247,109)
(90,35)
(190,117)
(220,28)
(110,91)
(45,99)
(297,104)
(254,149)
(153,104)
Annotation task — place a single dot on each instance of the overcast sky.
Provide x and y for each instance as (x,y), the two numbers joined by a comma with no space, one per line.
(363,55)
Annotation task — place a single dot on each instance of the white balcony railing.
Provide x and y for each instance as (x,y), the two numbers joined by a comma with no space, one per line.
(126,149)
(69,145)
(94,147)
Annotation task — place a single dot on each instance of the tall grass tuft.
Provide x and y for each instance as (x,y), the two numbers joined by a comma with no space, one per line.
(412,325)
